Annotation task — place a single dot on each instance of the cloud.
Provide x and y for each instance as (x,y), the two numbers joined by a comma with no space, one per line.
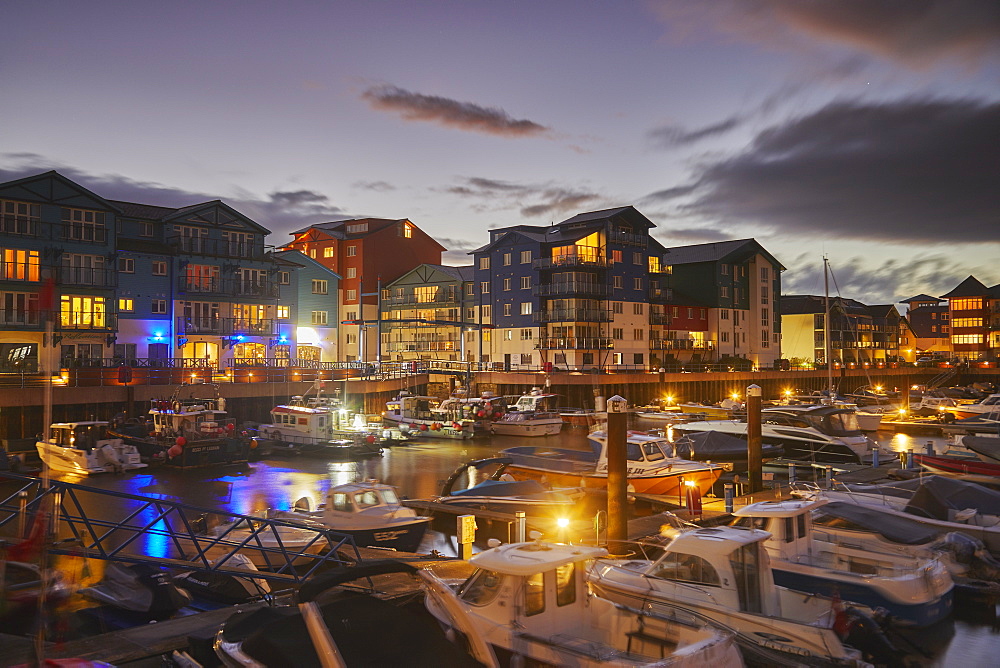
(377,186)
(909,171)
(548,198)
(450,113)
(690,235)
(915,33)
(670,136)
(561,201)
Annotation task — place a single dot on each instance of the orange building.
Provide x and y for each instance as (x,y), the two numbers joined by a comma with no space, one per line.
(367,253)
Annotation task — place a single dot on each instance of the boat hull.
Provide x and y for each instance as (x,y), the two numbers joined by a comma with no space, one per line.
(547,428)
(402,536)
(71,460)
(672,483)
(957,465)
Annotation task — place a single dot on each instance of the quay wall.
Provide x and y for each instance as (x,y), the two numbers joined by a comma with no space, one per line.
(21,408)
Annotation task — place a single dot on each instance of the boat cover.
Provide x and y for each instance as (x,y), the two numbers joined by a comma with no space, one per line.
(939,494)
(891,527)
(717,446)
(987,446)
(502,488)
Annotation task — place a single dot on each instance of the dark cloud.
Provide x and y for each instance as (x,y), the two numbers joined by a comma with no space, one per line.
(560,201)
(915,33)
(909,171)
(670,193)
(533,199)
(690,235)
(377,186)
(450,113)
(670,136)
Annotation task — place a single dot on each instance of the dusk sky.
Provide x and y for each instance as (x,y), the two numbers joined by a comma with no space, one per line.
(866,130)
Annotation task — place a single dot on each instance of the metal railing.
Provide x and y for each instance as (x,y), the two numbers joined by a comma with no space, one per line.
(567,261)
(572,288)
(230,287)
(116,526)
(573,315)
(575,343)
(216,247)
(226,326)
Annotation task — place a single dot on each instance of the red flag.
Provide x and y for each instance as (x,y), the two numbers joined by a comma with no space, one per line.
(29,548)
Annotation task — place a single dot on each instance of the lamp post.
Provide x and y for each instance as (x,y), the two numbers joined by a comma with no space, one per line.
(617,468)
(755,465)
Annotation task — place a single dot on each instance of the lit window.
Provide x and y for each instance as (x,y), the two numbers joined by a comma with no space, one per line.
(407,230)
(82,312)
(20,265)
(484,288)
(506,284)
(484,263)
(328,251)
(525,308)
(125,304)
(282,312)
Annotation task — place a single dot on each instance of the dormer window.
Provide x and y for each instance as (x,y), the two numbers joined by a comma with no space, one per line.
(357,228)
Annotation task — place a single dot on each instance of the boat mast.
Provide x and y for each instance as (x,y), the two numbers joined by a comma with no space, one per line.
(826,329)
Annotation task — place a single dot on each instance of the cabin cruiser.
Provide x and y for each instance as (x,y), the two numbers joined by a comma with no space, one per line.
(815,433)
(416,413)
(727,409)
(723,574)
(988,407)
(84,448)
(651,468)
(715,446)
(529,604)
(917,592)
(369,512)
(532,415)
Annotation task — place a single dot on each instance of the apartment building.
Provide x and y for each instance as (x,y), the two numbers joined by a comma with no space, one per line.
(859,334)
(974,316)
(930,323)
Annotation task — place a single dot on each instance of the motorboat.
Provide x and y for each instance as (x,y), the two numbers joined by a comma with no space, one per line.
(529,604)
(723,574)
(85,448)
(988,407)
(916,592)
(482,410)
(941,502)
(987,448)
(360,629)
(957,465)
(726,409)
(814,433)
(715,446)
(651,468)
(530,416)
(370,512)
(581,417)
(268,545)
(422,414)
(189,429)
(140,588)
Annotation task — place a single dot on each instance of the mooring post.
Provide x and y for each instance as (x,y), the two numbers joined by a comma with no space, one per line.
(617,471)
(22,503)
(466,533)
(729,492)
(754,457)
(875,461)
(521,526)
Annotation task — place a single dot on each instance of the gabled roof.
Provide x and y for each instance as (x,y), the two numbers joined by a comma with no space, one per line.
(970,287)
(920,298)
(718,251)
(628,212)
(374,224)
(510,235)
(299,258)
(465,272)
(804,304)
(25,185)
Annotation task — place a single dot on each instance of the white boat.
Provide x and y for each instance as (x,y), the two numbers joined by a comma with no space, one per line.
(529,603)
(988,407)
(914,591)
(83,448)
(820,433)
(418,413)
(532,415)
(368,511)
(320,425)
(482,410)
(723,574)
(726,409)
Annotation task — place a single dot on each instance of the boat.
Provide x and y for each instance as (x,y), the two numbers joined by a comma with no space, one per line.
(529,604)
(482,410)
(581,417)
(317,425)
(501,492)
(726,409)
(225,587)
(723,574)
(715,446)
(85,448)
(988,407)
(413,412)
(370,512)
(190,429)
(651,467)
(961,465)
(139,588)
(530,416)
(916,592)
(815,433)
(987,448)
(360,629)
(944,503)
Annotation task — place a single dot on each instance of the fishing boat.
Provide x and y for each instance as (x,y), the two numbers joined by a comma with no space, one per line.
(532,415)
(916,592)
(319,425)
(815,433)
(417,413)
(369,511)
(529,604)
(723,574)
(482,410)
(190,429)
(85,448)
(651,468)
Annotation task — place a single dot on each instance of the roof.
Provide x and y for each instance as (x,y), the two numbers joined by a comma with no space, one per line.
(804,304)
(531,558)
(920,298)
(465,272)
(786,508)
(717,251)
(148,211)
(604,214)
(970,287)
(717,540)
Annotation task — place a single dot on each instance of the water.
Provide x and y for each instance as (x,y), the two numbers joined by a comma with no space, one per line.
(418,471)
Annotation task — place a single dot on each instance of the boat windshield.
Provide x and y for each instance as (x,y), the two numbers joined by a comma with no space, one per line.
(750,522)
(389,496)
(844,424)
(653,451)
(633,452)
(366,499)
(481,587)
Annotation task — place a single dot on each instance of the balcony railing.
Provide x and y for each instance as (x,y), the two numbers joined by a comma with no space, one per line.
(575,343)
(628,239)
(88,277)
(229,287)
(659,295)
(570,261)
(681,344)
(32,227)
(97,321)
(572,315)
(572,288)
(226,326)
(216,247)
(659,318)
(414,300)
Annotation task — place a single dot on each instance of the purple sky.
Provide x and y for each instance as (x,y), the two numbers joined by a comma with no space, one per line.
(867,130)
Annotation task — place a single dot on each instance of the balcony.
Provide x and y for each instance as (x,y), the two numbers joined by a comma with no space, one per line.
(575,343)
(226,326)
(227,287)
(659,318)
(573,315)
(681,344)
(570,262)
(84,233)
(628,239)
(414,300)
(577,288)
(216,247)
(659,295)
(84,321)
(87,277)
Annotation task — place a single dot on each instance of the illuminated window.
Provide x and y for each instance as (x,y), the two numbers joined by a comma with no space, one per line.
(506,309)
(82,312)
(966,304)
(20,265)
(125,304)
(967,322)
(506,284)
(312,253)
(484,263)
(525,308)
(967,339)
(282,312)
(616,256)
(654,264)
(407,230)
(328,251)
(424,294)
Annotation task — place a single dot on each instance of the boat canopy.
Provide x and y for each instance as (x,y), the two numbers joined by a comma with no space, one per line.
(503,488)
(786,508)
(939,494)
(530,558)
(839,514)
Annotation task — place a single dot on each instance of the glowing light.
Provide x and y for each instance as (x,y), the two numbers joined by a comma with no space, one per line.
(788,393)
(669,399)
(690,483)
(735,396)
(562,522)
(878,388)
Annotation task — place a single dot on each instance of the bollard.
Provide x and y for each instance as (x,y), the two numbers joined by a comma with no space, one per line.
(22,515)
(929,448)
(729,496)
(909,459)
(875,457)
(466,534)
(521,535)
(791,473)
(829,476)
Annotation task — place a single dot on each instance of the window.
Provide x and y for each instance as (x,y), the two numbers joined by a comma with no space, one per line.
(617,307)
(407,230)
(725,270)
(159,306)
(525,308)
(763,294)
(617,282)
(764,338)
(618,333)
(84,225)
(616,256)
(525,257)
(328,251)
(319,287)
(637,258)
(637,334)
(284,277)
(352,315)
(566,585)
(966,304)
(508,335)
(20,265)
(676,311)
(357,228)
(352,272)
(686,568)
(966,339)
(506,259)
(481,588)
(484,288)
(525,334)
(690,313)
(506,309)
(506,284)
(724,337)
(763,318)
(19,217)
(282,312)
(125,304)
(765,273)
(526,358)
(312,253)
(525,282)
(484,263)
(82,312)
(145,229)
(159,268)
(352,295)
(352,251)
(967,322)
(637,283)
(319,317)
(126,265)
(724,314)
(637,309)
(534,594)
(352,339)
(487,311)
(723,291)
(616,358)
